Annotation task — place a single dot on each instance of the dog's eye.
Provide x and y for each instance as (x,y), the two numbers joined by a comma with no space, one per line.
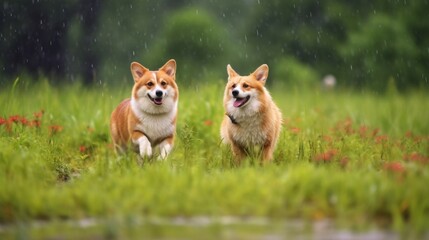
(163,83)
(233,85)
(149,84)
(245,85)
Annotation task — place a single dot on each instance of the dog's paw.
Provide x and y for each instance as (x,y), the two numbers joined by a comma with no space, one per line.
(165,149)
(145,147)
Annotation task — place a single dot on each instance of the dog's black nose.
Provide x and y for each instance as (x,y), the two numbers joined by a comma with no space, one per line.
(235,93)
(158,93)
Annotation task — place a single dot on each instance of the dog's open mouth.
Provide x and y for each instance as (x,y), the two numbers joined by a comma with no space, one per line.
(241,101)
(157,100)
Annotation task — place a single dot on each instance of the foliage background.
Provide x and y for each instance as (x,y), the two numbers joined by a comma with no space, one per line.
(363,43)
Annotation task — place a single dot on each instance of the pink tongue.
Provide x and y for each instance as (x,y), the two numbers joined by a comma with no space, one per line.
(239,101)
(158,100)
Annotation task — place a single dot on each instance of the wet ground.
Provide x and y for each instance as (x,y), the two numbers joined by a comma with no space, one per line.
(195,228)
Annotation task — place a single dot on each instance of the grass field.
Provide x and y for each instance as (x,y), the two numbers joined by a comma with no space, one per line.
(360,160)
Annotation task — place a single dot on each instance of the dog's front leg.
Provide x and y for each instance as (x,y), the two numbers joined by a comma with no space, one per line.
(165,147)
(238,151)
(145,148)
(267,152)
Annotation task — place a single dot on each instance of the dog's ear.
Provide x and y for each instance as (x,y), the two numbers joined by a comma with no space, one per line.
(169,68)
(231,72)
(137,70)
(261,73)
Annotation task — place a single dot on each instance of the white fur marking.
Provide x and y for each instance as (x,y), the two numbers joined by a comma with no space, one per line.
(145,147)
(154,76)
(165,149)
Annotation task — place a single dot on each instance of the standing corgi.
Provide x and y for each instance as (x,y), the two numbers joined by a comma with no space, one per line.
(148,119)
(252,118)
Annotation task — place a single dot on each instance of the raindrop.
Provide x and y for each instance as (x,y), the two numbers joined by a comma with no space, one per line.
(134,53)
(245,39)
(351,67)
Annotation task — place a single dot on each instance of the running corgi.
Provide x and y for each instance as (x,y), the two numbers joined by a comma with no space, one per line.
(148,119)
(252,119)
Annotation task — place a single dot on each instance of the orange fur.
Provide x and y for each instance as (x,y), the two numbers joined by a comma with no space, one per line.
(255,122)
(147,119)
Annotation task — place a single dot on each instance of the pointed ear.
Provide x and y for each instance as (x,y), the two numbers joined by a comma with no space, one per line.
(137,70)
(261,73)
(231,72)
(169,68)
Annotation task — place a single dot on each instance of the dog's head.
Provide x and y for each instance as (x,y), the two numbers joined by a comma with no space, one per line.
(155,91)
(245,92)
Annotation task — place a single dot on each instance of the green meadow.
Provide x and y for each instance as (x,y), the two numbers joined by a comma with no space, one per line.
(359,160)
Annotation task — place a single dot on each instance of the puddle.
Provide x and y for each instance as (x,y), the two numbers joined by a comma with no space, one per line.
(199,227)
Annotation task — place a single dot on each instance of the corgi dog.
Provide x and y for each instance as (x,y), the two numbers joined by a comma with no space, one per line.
(147,119)
(252,119)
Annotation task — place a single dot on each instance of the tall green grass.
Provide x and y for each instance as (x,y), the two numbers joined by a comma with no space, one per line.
(357,158)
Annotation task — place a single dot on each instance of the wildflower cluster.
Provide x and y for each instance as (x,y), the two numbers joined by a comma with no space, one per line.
(12,120)
(9,124)
(335,146)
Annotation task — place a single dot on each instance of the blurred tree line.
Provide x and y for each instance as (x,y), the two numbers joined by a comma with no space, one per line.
(364,43)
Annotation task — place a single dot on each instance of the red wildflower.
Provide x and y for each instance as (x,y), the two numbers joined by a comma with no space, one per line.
(409,134)
(24,121)
(348,126)
(208,122)
(381,139)
(395,167)
(295,130)
(39,115)
(82,149)
(35,123)
(15,118)
(326,156)
(55,129)
(416,157)
(375,132)
(327,138)
(362,131)
(7,123)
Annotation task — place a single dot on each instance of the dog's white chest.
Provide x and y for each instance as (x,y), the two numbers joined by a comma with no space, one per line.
(156,127)
(250,133)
